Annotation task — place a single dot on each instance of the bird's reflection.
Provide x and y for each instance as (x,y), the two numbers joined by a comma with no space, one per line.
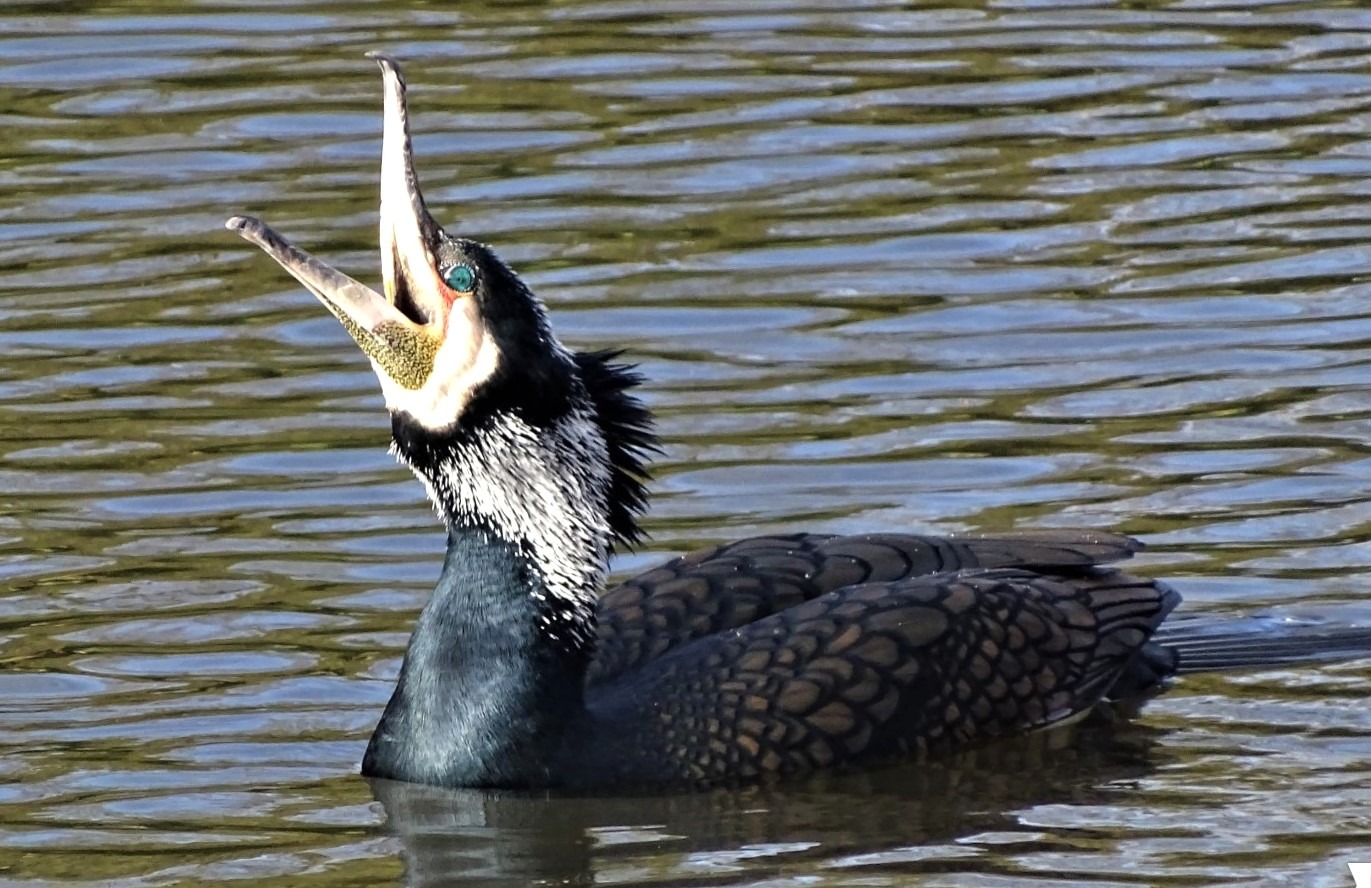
(470,837)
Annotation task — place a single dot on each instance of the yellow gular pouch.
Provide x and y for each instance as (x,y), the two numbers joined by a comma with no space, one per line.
(404,353)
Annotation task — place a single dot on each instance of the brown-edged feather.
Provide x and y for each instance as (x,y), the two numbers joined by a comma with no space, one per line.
(917,665)
(725,587)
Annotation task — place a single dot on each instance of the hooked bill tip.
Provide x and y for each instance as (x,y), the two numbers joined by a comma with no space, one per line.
(389,63)
(252,229)
(249,227)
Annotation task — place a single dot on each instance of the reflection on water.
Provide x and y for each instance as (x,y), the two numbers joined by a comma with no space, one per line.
(978,266)
(883,823)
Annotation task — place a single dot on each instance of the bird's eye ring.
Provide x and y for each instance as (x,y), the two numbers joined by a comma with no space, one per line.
(460,278)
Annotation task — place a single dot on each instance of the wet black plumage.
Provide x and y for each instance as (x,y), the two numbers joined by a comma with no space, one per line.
(768,656)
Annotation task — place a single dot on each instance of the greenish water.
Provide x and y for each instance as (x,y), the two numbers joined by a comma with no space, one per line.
(966,266)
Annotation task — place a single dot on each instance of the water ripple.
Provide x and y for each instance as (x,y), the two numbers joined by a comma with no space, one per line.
(1029,264)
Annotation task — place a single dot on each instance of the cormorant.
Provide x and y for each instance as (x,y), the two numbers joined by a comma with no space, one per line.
(769,656)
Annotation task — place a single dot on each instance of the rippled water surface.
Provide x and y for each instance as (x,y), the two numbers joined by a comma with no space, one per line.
(962,266)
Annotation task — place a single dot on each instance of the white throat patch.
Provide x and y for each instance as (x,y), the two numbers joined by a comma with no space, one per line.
(467,358)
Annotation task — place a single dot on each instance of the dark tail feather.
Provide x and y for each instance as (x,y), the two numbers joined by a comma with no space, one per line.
(1205,646)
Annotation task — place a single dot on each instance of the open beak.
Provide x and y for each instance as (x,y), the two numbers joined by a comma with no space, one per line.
(399,331)
(408,232)
(360,308)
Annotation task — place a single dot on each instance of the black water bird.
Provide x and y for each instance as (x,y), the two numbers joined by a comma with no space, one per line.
(768,656)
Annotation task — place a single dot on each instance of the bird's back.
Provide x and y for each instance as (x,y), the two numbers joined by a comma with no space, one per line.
(786,654)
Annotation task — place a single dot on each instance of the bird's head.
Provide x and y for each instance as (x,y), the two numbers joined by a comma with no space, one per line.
(453,316)
(469,367)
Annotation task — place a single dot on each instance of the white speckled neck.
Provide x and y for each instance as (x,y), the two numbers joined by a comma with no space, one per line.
(545,491)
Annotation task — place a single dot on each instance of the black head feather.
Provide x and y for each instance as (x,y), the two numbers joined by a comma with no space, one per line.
(627,426)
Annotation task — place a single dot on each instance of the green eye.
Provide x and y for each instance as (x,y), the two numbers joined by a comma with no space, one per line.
(460,278)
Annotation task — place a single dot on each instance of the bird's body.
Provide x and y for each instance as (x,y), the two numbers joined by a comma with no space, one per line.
(768,656)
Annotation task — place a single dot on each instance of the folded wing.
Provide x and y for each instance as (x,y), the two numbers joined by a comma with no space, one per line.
(730,586)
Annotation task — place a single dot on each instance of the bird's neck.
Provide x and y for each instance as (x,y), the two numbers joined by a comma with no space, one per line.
(542,490)
(496,664)
(485,691)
